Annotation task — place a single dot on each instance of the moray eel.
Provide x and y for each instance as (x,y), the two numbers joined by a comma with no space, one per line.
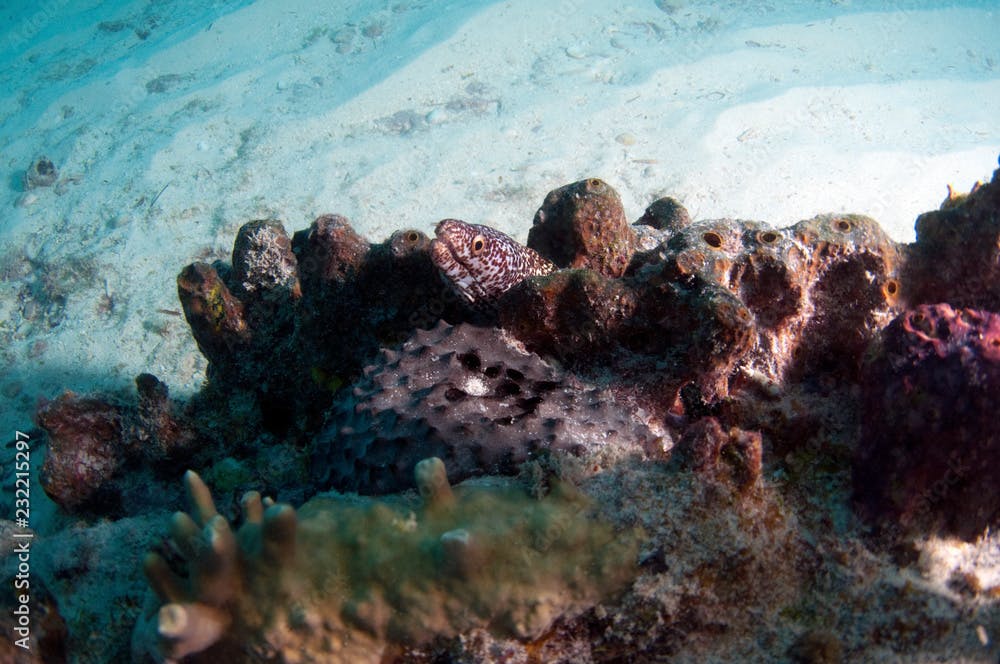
(480,262)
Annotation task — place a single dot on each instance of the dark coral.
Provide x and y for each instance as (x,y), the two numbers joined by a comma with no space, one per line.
(930,448)
(470,397)
(291,320)
(583,225)
(330,252)
(653,335)
(360,297)
(264,266)
(956,257)
(571,315)
(157,429)
(217,319)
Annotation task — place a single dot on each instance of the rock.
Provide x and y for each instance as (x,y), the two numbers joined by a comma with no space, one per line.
(84,451)
(41,173)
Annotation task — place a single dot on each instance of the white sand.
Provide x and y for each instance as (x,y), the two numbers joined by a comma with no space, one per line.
(397,115)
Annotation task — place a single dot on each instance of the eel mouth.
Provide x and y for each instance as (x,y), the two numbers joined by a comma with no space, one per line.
(452,268)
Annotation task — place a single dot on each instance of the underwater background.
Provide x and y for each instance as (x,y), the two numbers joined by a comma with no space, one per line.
(141,137)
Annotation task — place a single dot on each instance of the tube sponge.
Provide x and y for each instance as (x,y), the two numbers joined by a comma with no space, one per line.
(348,578)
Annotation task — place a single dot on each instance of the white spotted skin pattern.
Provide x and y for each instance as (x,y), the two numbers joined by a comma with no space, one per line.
(480,262)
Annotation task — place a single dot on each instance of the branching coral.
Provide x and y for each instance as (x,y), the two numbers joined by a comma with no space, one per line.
(353,580)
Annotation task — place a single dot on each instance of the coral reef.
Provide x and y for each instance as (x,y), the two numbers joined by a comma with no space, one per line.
(469,396)
(348,580)
(688,404)
(929,452)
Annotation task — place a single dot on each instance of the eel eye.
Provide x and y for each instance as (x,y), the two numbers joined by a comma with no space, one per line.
(478,244)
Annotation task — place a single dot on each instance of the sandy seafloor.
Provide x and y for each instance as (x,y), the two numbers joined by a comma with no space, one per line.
(174,122)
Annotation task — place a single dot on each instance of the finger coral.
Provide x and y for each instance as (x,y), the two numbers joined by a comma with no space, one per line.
(352,580)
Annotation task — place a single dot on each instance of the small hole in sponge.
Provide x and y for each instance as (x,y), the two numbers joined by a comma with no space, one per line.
(492,372)
(890,288)
(712,239)
(843,225)
(508,388)
(514,374)
(767,237)
(454,394)
(470,361)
